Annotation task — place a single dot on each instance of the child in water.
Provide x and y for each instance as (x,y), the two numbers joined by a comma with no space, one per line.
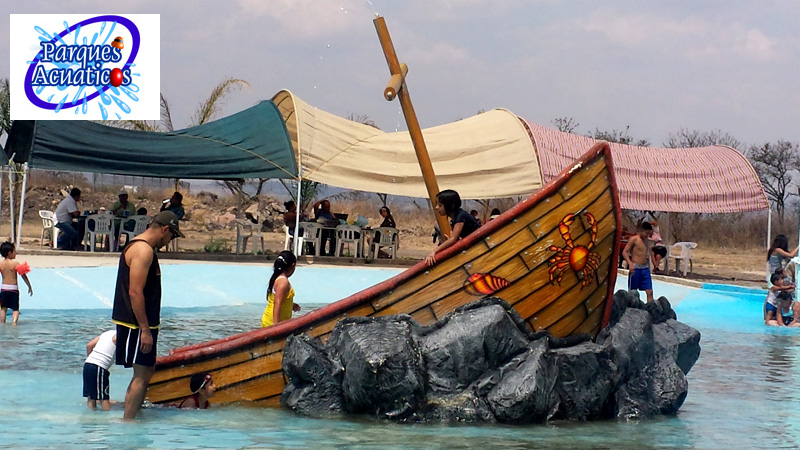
(780,288)
(203,388)
(462,224)
(280,295)
(9,291)
(100,353)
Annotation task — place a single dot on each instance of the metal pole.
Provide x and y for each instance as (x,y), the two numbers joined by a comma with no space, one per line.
(11,203)
(397,86)
(296,239)
(22,204)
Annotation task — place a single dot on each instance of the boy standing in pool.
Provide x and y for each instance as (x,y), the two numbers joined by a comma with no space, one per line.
(9,291)
(100,355)
(636,255)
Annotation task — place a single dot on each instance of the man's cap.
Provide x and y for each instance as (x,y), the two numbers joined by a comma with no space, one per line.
(123,192)
(169,219)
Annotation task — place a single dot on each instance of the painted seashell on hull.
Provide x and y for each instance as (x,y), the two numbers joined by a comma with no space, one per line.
(484,284)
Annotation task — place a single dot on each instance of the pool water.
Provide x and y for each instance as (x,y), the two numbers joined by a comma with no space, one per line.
(742,391)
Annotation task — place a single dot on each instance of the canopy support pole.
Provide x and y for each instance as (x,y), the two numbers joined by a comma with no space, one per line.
(397,86)
(11,204)
(22,204)
(296,239)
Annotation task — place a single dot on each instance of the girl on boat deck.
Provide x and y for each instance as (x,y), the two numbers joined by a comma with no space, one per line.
(280,294)
(462,224)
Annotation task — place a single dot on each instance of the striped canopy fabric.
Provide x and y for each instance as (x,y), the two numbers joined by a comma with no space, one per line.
(714,179)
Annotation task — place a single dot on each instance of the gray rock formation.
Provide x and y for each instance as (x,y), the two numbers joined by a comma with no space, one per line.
(482,364)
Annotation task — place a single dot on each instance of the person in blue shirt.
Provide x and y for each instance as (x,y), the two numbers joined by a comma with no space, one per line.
(174,204)
(462,224)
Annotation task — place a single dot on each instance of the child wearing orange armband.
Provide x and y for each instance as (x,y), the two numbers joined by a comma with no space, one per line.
(9,291)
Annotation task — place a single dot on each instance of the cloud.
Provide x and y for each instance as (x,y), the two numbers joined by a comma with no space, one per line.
(697,38)
(305,19)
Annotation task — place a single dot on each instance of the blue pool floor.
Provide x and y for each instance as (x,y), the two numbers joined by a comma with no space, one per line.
(743,391)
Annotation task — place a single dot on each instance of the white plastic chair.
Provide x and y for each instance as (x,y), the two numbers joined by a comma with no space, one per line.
(103,225)
(681,252)
(387,238)
(289,243)
(348,235)
(140,223)
(48,228)
(243,232)
(312,235)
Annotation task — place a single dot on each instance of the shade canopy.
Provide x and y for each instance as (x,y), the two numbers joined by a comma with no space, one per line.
(713,179)
(250,144)
(485,156)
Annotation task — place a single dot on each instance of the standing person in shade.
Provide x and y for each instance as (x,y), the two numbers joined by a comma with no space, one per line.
(174,204)
(280,294)
(100,355)
(778,255)
(462,224)
(637,257)
(137,306)
(65,211)
(322,210)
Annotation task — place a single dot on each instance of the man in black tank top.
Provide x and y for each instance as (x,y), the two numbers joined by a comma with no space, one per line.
(137,306)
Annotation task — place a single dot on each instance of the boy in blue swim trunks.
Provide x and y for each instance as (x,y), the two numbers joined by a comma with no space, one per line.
(787,314)
(637,256)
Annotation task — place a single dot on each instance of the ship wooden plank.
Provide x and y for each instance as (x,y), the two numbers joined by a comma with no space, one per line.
(255,389)
(568,323)
(451,283)
(592,322)
(214,363)
(427,278)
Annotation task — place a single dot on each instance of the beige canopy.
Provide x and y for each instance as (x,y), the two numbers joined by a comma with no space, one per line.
(485,156)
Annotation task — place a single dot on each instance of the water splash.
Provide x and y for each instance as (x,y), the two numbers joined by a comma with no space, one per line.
(122,105)
(103,111)
(61,103)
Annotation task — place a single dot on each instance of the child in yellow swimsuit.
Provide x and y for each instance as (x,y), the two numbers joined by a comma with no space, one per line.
(280,295)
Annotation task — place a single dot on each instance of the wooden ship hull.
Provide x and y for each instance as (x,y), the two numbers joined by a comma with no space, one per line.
(553,257)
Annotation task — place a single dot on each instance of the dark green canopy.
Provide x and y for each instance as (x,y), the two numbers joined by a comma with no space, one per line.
(251,144)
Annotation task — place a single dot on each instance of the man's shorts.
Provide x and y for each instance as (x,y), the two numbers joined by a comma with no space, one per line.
(95,382)
(640,280)
(10,300)
(128,352)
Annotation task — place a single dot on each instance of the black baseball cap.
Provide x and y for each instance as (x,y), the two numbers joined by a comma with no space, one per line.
(169,219)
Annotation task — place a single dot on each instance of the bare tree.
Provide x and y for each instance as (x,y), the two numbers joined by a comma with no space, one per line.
(774,163)
(619,136)
(686,138)
(565,124)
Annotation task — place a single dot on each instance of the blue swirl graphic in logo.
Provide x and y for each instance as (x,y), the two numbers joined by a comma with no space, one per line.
(100,91)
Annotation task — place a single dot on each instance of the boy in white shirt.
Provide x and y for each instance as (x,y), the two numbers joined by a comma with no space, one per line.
(100,351)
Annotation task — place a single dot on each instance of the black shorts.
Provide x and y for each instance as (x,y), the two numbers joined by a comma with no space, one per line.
(128,352)
(660,251)
(95,382)
(10,300)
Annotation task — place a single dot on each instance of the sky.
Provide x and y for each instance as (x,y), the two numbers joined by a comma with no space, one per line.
(655,66)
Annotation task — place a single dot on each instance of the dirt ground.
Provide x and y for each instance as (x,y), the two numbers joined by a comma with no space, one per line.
(725,265)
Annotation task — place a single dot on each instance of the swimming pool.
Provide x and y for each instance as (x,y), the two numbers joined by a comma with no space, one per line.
(742,391)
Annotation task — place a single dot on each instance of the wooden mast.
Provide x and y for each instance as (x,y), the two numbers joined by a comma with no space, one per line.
(397,88)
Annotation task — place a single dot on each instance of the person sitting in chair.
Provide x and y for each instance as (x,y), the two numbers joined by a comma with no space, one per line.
(174,204)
